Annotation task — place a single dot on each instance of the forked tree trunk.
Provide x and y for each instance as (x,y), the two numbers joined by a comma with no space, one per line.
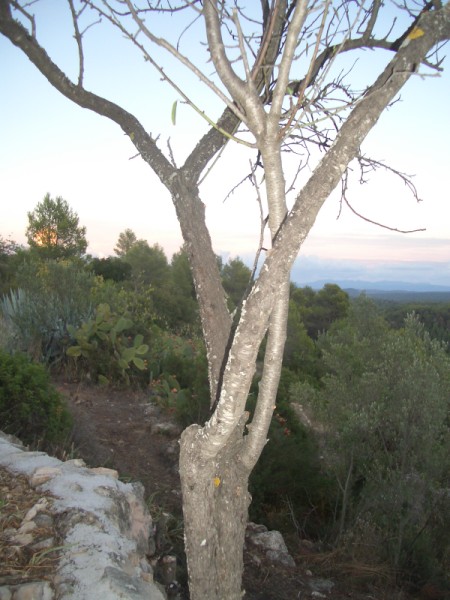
(215,507)
(214,482)
(216,460)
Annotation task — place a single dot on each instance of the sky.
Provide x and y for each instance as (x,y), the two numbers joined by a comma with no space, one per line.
(49,145)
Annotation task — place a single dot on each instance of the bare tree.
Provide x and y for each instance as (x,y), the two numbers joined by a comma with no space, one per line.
(268,108)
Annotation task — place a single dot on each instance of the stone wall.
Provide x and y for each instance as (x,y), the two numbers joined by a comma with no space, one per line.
(104,526)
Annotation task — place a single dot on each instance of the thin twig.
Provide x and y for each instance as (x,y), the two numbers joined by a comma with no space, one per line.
(159,41)
(306,80)
(183,60)
(26,14)
(79,39)
(355,212)
(263,222)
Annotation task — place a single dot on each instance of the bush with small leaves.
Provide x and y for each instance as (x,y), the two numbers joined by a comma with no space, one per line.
(288,486)
(382,406)
(30,407)
(180,378)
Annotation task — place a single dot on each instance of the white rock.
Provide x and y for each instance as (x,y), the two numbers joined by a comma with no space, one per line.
(105,535)
(5,593)
(104,471)
(27,527)
(44,474)
(41,505)
(39,590)
(76,462)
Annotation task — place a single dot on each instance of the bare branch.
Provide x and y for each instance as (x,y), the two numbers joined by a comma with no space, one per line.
(380,224)
(365,41)
(373,16)
(306,80)
(300,14)
(244,95)
(26,14)
(78,38)
(263,222)
(369,164)
(271,18)
(183,60)
(212,141)
(374,165)
(242,50)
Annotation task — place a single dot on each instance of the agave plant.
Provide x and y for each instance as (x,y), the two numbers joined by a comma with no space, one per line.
(11,306)
(52,296)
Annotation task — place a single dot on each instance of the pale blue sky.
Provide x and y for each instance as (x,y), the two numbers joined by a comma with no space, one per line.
(47,144)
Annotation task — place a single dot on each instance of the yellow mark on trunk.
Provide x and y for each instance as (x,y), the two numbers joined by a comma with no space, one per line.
(415,33)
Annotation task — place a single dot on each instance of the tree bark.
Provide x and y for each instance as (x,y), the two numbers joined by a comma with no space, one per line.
(216,460)
(215,508)
(214,314)
(223,433)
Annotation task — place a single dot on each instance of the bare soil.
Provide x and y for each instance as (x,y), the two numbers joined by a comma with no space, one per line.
(121,429)
(113,428)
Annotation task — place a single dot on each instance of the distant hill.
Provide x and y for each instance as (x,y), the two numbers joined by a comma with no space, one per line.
(395,291)
(403,296)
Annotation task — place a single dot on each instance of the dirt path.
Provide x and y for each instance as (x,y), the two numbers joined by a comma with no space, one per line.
(122,430)
(117,429)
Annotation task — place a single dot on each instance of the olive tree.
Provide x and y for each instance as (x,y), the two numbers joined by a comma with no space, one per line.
(274,73)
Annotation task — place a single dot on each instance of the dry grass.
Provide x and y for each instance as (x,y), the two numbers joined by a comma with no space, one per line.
(21,563)
(335,561)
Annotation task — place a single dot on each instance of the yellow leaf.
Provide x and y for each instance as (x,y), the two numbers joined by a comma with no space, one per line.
(216,481)
(415,33)
(132,136)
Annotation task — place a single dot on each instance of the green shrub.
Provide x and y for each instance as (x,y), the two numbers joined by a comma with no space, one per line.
(106,350)
(288,486)
(138,305)
(383,409)
(30,407)
(51,296)
(180,378)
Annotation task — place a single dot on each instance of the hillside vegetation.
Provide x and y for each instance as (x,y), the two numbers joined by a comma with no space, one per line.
(359,447)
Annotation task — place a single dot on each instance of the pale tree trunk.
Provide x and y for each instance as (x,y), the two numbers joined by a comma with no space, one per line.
(215,466)
(216,459)
(215,507)
(215,488)
(215,317)
(214,557)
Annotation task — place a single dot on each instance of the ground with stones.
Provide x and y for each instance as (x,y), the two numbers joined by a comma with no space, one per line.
(121,430)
